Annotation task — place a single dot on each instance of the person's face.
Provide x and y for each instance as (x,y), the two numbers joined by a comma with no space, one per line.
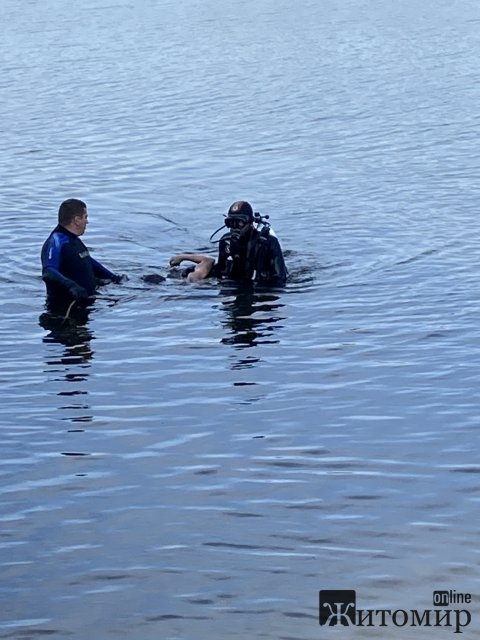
(239,226)
(80,223)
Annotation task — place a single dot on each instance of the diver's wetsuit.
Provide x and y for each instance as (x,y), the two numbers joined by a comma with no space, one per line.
(257,258)
(66,262)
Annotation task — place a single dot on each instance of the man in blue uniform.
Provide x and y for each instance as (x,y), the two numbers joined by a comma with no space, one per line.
(249,251)
(69,272)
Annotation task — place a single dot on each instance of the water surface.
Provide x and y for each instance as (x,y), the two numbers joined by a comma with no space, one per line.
(198,461)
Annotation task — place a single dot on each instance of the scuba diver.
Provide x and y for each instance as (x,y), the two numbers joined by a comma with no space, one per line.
(249,251)
(70,274)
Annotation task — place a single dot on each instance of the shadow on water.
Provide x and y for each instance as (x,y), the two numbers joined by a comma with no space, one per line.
(251,315)
(72,364)
(73,333)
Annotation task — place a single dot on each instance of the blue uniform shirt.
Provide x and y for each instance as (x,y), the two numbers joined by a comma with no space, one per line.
(66,260)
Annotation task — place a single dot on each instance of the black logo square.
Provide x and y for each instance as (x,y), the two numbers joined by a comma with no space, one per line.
(337,607)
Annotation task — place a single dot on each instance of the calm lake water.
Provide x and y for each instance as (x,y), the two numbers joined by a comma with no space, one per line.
(197,461)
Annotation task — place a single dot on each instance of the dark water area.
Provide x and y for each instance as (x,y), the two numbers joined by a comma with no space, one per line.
(198,461)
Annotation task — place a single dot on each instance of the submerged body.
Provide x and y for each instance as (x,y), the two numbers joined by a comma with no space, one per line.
(201,270)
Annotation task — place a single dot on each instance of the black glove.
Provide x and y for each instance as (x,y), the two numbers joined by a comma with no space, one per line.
(78,292)
(118,278)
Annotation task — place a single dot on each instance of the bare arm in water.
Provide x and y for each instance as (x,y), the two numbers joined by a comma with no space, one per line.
(203,265)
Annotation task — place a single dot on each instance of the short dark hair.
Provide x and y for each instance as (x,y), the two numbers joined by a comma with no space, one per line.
(69,209)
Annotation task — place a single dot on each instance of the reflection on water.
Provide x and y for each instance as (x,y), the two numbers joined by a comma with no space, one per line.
(73,364)
(196,462)
(73,333)
(251,315)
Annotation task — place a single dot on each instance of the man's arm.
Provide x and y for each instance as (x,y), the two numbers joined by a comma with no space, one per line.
(102,273)
(203,265)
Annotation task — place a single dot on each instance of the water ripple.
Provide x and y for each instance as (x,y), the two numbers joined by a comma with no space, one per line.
(246,448)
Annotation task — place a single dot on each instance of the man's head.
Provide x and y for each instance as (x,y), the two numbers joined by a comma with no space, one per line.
(239,217)
(73,215)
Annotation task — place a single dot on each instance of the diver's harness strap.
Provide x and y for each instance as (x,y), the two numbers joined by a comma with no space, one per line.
(256,248)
